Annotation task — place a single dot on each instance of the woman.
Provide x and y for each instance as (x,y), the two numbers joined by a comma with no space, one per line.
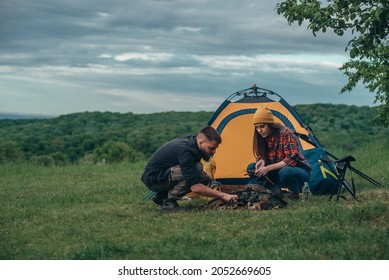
(280,163)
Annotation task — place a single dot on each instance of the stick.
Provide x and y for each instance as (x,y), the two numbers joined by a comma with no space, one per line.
(267,178)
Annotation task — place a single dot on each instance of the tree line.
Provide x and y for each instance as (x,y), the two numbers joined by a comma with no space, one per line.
(95,137)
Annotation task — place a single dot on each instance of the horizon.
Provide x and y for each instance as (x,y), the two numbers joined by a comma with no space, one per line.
(15,115)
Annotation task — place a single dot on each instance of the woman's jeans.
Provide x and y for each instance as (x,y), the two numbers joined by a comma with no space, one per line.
(289,177)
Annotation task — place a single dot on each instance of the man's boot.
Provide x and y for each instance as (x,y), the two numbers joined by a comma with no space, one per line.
(158,197)
(170,205)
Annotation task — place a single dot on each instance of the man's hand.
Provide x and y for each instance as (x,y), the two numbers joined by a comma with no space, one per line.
(229,197)
(204,190)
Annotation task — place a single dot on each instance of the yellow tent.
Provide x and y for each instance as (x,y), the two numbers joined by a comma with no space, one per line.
(233,120)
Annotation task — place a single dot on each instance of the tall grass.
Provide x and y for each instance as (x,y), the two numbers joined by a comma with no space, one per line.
(97,212)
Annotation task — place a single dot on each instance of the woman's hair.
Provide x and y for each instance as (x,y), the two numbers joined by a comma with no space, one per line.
(259,144)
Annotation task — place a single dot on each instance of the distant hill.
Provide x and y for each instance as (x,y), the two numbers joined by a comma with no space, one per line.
(96,136)
(15,116)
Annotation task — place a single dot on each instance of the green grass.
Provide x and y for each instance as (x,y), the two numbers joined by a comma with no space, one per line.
(96,212)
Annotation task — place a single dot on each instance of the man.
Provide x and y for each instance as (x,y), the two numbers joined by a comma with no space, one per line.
(175,169)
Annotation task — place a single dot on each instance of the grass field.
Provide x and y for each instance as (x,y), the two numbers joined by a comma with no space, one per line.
(96,212)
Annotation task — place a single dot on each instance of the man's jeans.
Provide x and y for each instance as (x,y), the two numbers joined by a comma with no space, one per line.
(175,187)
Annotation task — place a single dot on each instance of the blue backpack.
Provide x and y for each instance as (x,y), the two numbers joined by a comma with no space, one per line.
(323,179)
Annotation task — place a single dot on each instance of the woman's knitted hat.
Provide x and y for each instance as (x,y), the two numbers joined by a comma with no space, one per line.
(263,115)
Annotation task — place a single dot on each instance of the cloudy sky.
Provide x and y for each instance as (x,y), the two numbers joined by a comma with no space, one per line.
(64,56)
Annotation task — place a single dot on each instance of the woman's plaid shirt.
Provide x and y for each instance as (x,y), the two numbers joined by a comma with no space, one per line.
(283,146)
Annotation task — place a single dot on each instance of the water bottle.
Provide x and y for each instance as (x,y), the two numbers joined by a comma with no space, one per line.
(305,192)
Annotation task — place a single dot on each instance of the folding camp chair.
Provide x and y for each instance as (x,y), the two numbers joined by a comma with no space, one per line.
(342,165)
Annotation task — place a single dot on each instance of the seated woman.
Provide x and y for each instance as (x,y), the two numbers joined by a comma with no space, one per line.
(279,163)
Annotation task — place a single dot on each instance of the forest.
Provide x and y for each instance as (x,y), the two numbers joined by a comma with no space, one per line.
(107,137)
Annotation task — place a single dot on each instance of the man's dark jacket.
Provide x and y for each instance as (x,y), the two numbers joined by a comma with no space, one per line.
(181,151)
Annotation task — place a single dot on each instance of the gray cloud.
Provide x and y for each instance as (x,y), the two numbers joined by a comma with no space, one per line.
(148,56)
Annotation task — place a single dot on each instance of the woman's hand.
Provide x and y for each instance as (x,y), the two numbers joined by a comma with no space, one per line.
(260,163)
(262,171)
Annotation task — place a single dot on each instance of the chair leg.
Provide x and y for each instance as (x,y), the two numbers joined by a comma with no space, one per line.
(340,183)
